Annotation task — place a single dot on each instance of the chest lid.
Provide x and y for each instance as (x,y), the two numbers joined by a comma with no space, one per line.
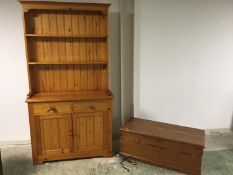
(166,131)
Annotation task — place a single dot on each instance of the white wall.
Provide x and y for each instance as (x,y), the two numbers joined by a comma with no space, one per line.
(127,19)
(184,62)
(13,76)
(14,125)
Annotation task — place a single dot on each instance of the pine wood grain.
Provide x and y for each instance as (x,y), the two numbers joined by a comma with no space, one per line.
(53,133)
(69,100)
(171,146)
(50,49)
(69,96)
(166,131)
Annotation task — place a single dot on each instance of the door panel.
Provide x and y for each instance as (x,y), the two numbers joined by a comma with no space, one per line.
(90,131)
(54,134)
(99,130)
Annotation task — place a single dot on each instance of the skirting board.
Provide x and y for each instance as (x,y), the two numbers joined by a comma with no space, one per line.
(218,131)
(13,143)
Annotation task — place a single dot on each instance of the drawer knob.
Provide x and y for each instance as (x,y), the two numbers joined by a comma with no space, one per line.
(75,133)
(92,107)
(52,109)
(70,133)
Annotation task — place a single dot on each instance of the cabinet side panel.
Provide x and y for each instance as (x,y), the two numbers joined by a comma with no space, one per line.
(33,134)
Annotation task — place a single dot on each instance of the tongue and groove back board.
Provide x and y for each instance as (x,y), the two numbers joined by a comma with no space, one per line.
(170,146)
(69,101)
(58,40)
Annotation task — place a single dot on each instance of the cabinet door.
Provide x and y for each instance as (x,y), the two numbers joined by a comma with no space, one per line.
(54,134)
(90,131)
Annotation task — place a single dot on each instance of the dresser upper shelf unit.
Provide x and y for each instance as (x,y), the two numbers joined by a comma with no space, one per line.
(69,96)
(69,101)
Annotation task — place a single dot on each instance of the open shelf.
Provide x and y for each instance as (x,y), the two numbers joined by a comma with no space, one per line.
(70,96)
(67,62)
(66,36)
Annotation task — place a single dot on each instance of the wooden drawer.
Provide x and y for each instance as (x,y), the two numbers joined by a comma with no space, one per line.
(90,106)
(50,108)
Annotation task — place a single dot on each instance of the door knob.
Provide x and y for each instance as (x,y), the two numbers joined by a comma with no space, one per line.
(75,132)
(70,133)
(92,107)
(52,109)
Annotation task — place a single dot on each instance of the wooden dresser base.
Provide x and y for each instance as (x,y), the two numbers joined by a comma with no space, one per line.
(151,142)
(73,129)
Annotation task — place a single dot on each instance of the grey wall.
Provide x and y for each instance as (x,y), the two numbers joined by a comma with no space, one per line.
(127,31)
(184,62)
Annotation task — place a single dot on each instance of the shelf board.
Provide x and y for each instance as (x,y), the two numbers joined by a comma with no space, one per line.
(67,62)
(68,6)
(69,96)
(66,36)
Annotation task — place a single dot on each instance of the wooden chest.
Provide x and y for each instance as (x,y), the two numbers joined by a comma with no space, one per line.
(170,146)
